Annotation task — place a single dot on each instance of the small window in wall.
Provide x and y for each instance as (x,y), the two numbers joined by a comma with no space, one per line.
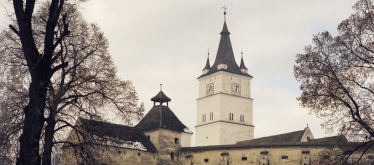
(231,117)
(176,140)
(264,152)
(172,155)
(211,115)
(206,160)
(242,118)
(139,154)
(204,117)
(284,157)
(148,137)
(244,158)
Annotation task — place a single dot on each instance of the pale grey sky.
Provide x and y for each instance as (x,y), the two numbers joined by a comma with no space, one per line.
(166,41)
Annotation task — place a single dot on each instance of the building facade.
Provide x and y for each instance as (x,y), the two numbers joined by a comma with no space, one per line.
(224,129)
(224,106)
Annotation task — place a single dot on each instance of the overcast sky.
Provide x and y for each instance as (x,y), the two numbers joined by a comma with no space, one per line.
(166,41)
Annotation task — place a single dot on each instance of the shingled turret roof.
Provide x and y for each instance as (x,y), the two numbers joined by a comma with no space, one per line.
(225,55)
(242,66)
(160,97)
(207,65)
(161,117)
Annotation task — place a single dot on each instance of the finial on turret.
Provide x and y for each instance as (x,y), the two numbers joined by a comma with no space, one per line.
(208,52)
(160,87)
(241,51)
(224,11)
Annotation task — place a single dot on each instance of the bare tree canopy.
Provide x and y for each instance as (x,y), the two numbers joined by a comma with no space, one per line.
(336,75)
(56,68)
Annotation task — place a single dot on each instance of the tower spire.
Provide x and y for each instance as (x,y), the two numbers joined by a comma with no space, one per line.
(225,60)
(224,12)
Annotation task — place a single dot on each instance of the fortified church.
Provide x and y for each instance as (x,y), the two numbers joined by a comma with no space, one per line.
(224,129)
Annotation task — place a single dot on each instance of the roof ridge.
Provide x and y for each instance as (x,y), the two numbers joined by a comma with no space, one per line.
(282,134)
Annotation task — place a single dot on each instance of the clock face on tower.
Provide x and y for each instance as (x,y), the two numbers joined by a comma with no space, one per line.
(209,89)
(235,89)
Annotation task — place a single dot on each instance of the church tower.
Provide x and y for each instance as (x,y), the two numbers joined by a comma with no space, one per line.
(224,106)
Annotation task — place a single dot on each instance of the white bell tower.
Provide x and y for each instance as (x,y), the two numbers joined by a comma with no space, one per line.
(224,106)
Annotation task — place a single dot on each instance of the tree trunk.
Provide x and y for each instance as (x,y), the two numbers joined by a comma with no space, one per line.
(48,139)
(33,124)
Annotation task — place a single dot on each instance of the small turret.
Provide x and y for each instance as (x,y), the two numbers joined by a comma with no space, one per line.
(242,66)
(207,65)
(160,98)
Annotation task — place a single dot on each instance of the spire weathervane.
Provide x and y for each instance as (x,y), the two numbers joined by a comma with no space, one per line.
(224,11)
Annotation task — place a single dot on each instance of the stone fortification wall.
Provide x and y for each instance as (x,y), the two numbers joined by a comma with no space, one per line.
(254,156)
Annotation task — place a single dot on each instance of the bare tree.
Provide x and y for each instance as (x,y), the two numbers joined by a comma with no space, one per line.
(56,68)
(336,76)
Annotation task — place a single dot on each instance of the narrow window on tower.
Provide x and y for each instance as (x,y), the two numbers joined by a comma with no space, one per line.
(243,118)
(204,117)
(232,116)
(212,115)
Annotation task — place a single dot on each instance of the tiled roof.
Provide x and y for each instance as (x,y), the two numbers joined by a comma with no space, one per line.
(161,117)
(104,130)
(160,97)
(207,65)
(242,66)
(339,141)
(291,137)
(330,140)
(225,55)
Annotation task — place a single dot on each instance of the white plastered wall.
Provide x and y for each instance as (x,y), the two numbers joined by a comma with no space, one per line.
(185,139)
(207,134)
(222,103)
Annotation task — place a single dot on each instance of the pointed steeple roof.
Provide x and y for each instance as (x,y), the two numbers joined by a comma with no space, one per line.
(225,31)
(207,65)
(242,66)
(225,55)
